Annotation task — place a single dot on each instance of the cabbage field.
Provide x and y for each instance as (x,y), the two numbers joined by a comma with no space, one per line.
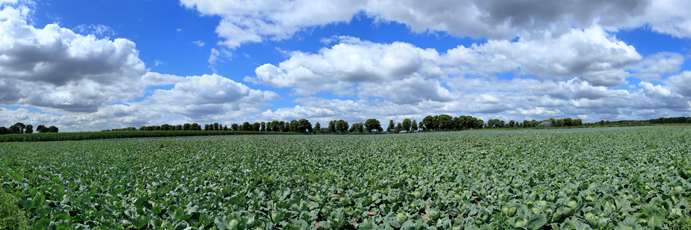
(616,178)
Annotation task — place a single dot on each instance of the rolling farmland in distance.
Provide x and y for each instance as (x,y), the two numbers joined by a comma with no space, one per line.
(596,178)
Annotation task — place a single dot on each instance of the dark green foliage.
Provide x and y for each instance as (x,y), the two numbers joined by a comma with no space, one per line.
(11,215)
(116,135)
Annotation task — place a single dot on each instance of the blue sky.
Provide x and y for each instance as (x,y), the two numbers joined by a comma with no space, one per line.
(93,65)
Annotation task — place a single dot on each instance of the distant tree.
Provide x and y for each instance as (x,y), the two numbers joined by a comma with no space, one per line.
(246,126)
(568,121)
(317,127)
(332,127)
(577,122)
(534,123)
(41,129)
(186,126)
(234,127)
(398,128)
(20,126)
(414,126)
(445,122)
(427,123)
(282,126)
(225,128)
(29,129)
(256,126)
(294,126)
(391,127)
(263,127)
(372,124)
(53,129)
(4,130)
(512,123)
(406,124)
(341,126)
(195,126)
(559,123)
(304,125)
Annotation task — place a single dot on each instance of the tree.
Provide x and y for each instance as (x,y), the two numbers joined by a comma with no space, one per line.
(317,127)
(427,123)
(41,129)
(414,126)
(342,126)
(53,129)
(445,122)
(234,127)
(256,126)
(19,126)
(406,124)
(29,129)
(4,130)
(304,125)
(372,124)
(398,128)
(294,126)
(263,128)
(195,126)
(391,127)
(332,126)
(246,126)
(568,121)
(282,126)
(559,123)
(186,126)
(577,122)
(512,123)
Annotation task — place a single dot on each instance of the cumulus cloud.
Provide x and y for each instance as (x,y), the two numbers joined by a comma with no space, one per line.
(654,67)
(256,21)
(680,83)
(57,68)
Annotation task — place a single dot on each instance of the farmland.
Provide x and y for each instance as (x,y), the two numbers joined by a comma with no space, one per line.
(607,178)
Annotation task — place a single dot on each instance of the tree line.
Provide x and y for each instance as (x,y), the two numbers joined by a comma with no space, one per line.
(430,123)
(20,128)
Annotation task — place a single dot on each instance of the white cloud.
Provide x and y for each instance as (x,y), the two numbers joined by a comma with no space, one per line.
(653,67)
(244,22)
(199,43)
(681,83)
(98,30)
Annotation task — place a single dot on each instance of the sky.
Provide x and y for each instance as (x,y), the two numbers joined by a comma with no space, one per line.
(87,65)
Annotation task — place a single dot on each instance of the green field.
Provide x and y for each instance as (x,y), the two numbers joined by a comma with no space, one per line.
(607,178)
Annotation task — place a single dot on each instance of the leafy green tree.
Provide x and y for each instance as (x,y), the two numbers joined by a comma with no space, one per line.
(294,126)
(512,123)
(568,121)
(398,128)
(263,128)
(559,123)
(317,127)
(445,122)
(19,126)
(342,126)
(282,126)
(29,129)
(414,126)
(256,126)
(41,129)
(332,126)
(4,130)
(372,124)
(195,126)
(391,127)
(427,123)
(304,125)
(186,126)
(178,127)
(577,122)
(234,127)
(246,126)
(406,124)
(53,129)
